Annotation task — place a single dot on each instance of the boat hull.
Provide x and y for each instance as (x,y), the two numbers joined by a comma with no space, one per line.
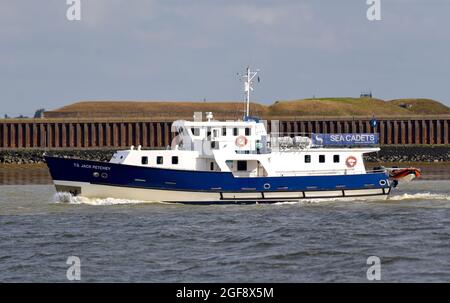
(89,190)
(93,179)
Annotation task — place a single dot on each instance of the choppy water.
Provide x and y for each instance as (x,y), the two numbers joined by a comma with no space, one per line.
(118,240)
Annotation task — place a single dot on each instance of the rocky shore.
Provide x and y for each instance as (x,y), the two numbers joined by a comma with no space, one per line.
(407,153)
(37,156)
(393,154)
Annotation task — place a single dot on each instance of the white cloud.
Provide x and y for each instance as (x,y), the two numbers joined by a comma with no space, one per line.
(107,14)
(260,16)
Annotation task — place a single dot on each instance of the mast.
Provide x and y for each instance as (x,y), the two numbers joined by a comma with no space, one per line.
(248,81)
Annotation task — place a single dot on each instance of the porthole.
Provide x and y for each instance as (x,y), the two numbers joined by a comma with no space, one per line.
(96,174)
(266,185)
(382,182)
(104,175)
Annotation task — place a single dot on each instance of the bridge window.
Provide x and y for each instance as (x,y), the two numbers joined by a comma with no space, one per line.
(175,160)
(195,131)
(247,131)
(144,160)
(224,131)
(235,131)
(229,164)
(159,160)
(321,158)
(242,165)
(336,158)
(307,158)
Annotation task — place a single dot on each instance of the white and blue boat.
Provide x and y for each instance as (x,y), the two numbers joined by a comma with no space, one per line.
(230,162)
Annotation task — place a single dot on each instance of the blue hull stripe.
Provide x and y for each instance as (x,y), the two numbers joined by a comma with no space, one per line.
(103,173)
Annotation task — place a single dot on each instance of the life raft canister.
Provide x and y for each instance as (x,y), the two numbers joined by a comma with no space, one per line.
(241,141)
(351,161)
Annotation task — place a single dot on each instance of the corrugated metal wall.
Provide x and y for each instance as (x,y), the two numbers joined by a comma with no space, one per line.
(101,133)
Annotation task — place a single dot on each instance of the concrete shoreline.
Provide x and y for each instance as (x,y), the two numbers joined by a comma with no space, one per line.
(390,154)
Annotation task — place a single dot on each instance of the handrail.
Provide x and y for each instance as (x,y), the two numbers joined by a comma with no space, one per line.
(329,172)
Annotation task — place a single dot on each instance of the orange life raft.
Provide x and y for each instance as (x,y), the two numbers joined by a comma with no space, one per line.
(405,174)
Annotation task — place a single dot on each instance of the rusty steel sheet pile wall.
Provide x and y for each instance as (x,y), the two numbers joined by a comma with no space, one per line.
(97,133)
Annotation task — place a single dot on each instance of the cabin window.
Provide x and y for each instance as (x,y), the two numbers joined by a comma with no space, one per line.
(235,131)
(215,133)
(208,132)
(336,158)
(247,131)
(230,164)
(214,145)
(307,158)
(224,131)
(159,160)
(175,160)
(195,131)
(144,160)
(242,165)
(321,158)
(211,166)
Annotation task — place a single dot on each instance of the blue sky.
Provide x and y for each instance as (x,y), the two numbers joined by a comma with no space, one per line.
(190,50)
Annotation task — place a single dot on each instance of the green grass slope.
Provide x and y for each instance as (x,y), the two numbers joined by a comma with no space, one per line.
(113,108)
(357,107)
(337,107)
(320,107)
(422,106)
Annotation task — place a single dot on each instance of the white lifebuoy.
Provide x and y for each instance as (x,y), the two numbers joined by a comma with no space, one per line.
(351,161)
(241,141)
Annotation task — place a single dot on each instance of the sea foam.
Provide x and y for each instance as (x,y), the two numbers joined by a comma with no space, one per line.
(71,199)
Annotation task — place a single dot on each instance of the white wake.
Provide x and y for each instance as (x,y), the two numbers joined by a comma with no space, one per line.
(419,196)
(394,197)
(70,199)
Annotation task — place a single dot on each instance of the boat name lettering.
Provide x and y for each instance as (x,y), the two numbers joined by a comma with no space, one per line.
(89,166)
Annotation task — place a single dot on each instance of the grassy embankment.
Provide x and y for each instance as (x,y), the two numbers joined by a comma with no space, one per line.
(317,107)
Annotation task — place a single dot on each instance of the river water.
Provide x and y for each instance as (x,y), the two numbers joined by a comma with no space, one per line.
(315,241)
